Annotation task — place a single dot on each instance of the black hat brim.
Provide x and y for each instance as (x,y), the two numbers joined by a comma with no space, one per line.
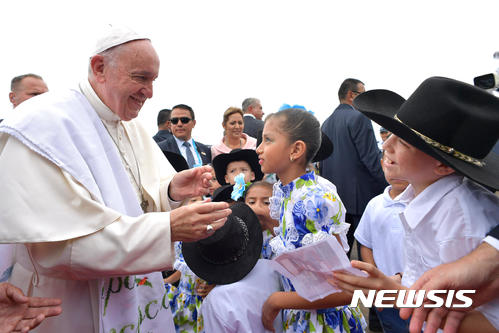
(221,161)
(177,161)
(325,149)
(381,106)
(223,194)
(233,271)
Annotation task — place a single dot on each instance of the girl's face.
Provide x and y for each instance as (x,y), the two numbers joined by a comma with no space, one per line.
(274,151)
(258,199)
(235,168)
(234,125)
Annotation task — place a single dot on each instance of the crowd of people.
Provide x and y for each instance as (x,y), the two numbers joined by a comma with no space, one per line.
(106,228)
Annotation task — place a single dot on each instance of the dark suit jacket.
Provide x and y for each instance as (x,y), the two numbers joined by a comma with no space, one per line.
(252,126)
(354,166)
(494,232)
(162,135)
(171,145)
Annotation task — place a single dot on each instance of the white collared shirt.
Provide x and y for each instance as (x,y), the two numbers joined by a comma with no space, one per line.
(183,150)
(380,229)
(445,222)
(237,307)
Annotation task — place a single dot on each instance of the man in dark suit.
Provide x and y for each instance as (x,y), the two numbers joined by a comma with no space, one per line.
(163,126)
(354,167)
(182,122)
(253,113)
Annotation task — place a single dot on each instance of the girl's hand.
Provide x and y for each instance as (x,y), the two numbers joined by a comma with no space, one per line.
(269,313)
(375,281)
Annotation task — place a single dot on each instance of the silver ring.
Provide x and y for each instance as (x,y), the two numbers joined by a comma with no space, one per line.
(209,229)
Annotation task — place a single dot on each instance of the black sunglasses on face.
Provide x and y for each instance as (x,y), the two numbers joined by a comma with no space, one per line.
(184,120)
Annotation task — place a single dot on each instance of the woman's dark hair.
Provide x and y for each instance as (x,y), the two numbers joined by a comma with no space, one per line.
(299,124)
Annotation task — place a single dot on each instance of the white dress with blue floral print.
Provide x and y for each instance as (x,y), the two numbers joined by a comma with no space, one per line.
(310,210)
(184,301)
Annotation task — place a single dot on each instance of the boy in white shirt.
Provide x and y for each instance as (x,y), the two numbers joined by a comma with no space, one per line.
(381,238)
(443,133)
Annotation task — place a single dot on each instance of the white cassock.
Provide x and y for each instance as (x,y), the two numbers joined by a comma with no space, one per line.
(70,202)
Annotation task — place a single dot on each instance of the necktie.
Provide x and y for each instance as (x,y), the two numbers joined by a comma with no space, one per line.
(188,153)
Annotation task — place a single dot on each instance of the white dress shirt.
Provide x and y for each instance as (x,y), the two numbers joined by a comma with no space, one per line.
(444,223)
(380,230)
(193,148)
(237,307)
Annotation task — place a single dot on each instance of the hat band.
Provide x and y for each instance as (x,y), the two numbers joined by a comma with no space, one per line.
(444,148)
(240,251)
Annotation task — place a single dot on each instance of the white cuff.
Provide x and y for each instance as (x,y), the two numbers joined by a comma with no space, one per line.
(492,241)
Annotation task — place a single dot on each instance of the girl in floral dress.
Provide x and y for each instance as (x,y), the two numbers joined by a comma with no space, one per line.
(309,210)
(185,300)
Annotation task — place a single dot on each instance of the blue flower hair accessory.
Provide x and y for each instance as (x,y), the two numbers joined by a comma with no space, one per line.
(239,187)
(295,106)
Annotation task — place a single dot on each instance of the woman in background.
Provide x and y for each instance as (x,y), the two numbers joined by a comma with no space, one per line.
(234,137)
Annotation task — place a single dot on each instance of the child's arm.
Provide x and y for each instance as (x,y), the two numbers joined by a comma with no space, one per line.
(173,278)
(291,300)
(367,255)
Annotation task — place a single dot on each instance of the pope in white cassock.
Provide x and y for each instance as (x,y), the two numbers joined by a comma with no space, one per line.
(91,200)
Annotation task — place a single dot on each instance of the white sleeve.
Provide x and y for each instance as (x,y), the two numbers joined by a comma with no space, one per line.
(494,242)
(68,234)
(363,233)
(127,246)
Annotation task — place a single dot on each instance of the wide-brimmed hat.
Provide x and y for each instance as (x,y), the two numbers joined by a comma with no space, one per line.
(221,161)
(222,194)
(452,121)
(176,160)
(325,149)
(231,252)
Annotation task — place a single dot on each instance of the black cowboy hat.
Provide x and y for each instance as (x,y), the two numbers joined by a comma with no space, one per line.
(176,160)
(222,194)
(221,161)
(325,149)
(452,121)
(231,252)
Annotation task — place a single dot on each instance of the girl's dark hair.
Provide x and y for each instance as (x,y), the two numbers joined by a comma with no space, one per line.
(299,124)
(256,184)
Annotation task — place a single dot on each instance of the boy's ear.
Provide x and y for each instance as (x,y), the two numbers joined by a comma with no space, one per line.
(226,178)
(252,174)
(299,149)
(443,170)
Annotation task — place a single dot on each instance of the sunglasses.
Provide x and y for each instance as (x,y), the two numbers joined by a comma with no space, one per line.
(184,120)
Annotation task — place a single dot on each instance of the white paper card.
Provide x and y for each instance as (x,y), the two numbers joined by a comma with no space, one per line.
(309,267)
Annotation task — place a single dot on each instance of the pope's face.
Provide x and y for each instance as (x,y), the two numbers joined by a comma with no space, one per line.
(128,78)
